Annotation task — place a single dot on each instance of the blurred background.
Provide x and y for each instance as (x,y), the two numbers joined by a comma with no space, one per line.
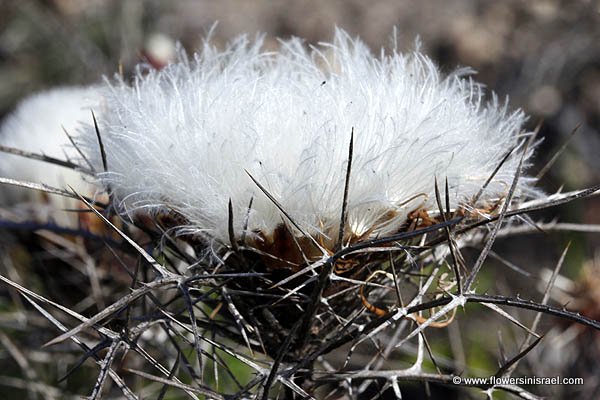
(543,54)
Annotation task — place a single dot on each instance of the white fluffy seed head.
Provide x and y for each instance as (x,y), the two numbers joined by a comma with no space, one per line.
(186,138)
(38,125)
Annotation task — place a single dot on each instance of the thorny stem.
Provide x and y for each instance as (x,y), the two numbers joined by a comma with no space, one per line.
(350,330)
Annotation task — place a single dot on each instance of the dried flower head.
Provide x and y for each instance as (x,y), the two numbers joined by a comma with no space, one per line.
(186,139)
(40,125)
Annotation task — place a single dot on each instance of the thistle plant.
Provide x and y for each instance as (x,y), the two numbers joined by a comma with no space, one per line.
(302,215)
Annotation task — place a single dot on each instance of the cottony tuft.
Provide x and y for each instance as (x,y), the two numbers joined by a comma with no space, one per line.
(186,139)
